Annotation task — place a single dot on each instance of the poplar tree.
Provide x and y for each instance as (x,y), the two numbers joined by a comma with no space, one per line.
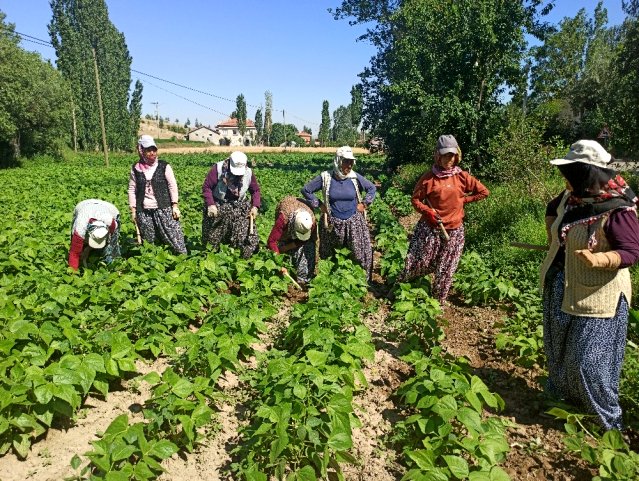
(240,109)
(259,124)
(325,126)
(77,28)
(268,116)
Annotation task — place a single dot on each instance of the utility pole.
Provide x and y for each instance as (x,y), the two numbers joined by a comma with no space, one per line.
(157,115)
(284,116)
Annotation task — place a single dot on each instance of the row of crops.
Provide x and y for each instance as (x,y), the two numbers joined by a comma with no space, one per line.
(65,337)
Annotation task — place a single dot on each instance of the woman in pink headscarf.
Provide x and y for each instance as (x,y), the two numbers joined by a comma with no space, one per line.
(153,198)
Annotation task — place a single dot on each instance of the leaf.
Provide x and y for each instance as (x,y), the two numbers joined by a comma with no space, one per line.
(425,459)
(469,418)
(458,466)
(21,444)
(299,391)
(316,358)
(118,426)
(498,474)
(163,449)
(183,388)
(76,461)
(122,451)
(340,441)
(307,473)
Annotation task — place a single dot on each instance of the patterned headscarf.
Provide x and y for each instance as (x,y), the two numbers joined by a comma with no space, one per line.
(145,162)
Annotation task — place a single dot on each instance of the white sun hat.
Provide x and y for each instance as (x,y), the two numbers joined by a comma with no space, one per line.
(97,234)
(587,152)
(238,163)
(303,225)
(345,152)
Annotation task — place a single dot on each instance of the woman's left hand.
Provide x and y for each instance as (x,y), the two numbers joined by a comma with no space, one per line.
(361,207)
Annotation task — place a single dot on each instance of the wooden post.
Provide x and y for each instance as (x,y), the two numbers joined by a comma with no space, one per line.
(75,128)
(97,83)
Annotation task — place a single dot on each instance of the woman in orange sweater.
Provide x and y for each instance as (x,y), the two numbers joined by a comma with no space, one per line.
(438,239)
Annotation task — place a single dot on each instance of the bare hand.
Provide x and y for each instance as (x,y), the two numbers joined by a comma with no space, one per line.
(361,208)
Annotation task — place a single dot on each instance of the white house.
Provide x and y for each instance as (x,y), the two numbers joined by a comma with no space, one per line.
(229,130)
(204,134)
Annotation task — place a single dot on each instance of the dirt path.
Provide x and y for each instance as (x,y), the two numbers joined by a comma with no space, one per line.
(535,438)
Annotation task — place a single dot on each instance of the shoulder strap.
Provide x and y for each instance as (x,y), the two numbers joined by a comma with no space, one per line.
(326,183)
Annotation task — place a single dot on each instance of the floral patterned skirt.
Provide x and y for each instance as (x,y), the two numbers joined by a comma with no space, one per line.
(429,253)
(352,233)
(159,225)
(231,227)
(585,355)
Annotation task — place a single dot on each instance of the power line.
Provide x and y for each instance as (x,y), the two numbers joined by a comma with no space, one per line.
(46,43)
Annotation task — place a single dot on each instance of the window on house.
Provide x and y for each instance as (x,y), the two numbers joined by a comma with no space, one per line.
(235,132)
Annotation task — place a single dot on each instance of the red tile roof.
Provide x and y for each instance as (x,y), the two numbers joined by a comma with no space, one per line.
(233,123)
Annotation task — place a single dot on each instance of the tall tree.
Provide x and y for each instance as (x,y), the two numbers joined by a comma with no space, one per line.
(343,131)
(626,95)
(356,108)
(325,125)
(268,116)
(135,109)
(240,108)
(259,125)
(35,102)
(284,134)
(307,130)
(440,67)
(77,28)
(573,76)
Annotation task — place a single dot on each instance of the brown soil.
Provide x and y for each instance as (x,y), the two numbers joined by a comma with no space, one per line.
(535,439)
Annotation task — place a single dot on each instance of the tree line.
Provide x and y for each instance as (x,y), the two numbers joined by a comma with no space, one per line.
(466,67)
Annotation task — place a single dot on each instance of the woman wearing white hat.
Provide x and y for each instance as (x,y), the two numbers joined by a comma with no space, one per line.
(153,198)
(593,236)
(227,210)
(96,225)
(347,194)
(295,231)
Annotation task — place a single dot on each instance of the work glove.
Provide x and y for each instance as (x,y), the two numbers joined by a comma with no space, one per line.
(432,218)
(253,212)
(599,260)
(176,212)
(212,211)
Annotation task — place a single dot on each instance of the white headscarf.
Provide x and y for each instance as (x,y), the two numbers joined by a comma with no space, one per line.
(337,167)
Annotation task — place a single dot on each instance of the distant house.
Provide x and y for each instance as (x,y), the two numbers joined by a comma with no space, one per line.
(305,136)
(229,130)
(204,134)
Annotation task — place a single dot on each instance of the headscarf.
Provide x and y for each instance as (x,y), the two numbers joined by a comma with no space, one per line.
(614,195)
(337,169)
(441,173)
(144,163)
(233,182)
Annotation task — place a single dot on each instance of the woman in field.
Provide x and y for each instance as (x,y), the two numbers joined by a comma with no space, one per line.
(153,198)
(346,196)
(96,226)
(438,239)
(593,234)
(228,213)
(295,232)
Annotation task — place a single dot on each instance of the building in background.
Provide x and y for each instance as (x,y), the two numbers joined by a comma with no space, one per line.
(231,133)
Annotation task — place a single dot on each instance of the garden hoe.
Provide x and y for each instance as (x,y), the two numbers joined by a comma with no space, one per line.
(439,222)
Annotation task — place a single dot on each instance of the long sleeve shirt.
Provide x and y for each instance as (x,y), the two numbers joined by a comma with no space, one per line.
(211,181)
(279,235)
(342,197)
(85,212)
(621,230)
(149,197)
(447,196)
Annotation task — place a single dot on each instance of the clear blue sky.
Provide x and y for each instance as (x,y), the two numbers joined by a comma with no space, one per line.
(293,48)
